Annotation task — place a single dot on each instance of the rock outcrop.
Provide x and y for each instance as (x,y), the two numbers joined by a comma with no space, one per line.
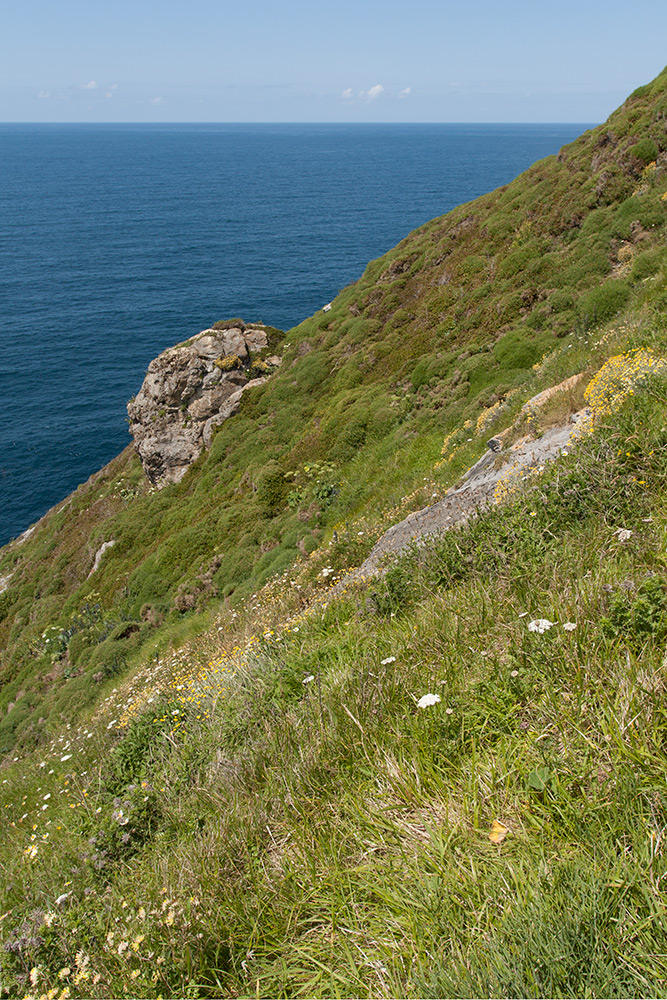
(189,390)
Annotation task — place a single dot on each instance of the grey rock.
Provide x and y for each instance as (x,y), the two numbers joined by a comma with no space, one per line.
(100,552)
(474,492)
(185,396)
(256,339)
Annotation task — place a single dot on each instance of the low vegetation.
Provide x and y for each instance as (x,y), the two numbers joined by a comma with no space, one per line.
(230,772)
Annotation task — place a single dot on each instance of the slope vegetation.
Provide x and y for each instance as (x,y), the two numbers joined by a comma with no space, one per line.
(224,778)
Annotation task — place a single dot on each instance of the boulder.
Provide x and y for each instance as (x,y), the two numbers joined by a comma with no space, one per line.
(188,392)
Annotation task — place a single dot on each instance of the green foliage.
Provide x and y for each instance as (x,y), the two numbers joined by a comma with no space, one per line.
(316,481)
(603,302)
(230,324)
(517,349)
(229,363)
(392,595)
(645,150)
(271,489)
(132,759)
(638,615)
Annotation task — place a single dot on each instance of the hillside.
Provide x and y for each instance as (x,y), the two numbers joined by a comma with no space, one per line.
(220,775)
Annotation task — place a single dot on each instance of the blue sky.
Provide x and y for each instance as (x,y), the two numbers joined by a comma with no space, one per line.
(395,60)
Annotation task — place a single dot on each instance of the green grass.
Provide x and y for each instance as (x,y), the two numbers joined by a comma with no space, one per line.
(216,777)
(307,830)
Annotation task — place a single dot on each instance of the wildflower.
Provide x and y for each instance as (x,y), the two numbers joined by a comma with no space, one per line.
(540,625)
(514,673)
(569,626)
(137,941)
(66,757)
(428,699)
(308,679)
(389,659)
(34,976)
(64,973)
(449,711)
(623,534)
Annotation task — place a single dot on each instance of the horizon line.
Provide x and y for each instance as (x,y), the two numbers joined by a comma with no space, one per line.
(309,122)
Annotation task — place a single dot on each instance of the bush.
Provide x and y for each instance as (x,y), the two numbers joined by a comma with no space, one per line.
(229,324)
(272,489)
(645,150)
(228,363)
(516,350)
(602,303)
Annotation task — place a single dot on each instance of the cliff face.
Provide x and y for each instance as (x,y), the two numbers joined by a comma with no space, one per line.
(189,390)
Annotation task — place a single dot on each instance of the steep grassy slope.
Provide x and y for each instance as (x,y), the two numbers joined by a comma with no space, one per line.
(439,331)
(250,797)
(281,817)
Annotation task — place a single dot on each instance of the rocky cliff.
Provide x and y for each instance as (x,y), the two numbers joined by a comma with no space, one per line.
(191,389)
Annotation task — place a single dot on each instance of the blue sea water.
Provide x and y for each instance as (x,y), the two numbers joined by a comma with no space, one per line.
(117,241)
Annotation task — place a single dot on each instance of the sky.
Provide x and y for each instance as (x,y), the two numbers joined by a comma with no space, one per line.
(336,61)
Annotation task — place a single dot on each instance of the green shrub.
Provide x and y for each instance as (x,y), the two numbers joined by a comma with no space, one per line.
(228,363)
(647,264)
(516,349)
(645,150)
(272,489)
(229,324)
(602,303)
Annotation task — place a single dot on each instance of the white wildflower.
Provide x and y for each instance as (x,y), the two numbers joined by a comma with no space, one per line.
(540,625)
(569,626)
(308,679)
(428,699)
(389,659)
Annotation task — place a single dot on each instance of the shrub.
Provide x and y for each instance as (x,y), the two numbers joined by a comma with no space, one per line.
(516,350)
(603,302)
(228,363)
(229,324)
(645,150)
(272,489)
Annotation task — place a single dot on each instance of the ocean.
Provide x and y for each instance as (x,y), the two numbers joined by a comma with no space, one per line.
(117,241)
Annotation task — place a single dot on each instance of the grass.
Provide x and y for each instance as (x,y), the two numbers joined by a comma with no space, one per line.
(483,307)
(282,819)
(217,779)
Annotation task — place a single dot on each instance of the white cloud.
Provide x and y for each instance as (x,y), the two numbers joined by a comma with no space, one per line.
(347,94)
(374,92)
(44,95)
(405,92)
(157,100)
(91,85)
